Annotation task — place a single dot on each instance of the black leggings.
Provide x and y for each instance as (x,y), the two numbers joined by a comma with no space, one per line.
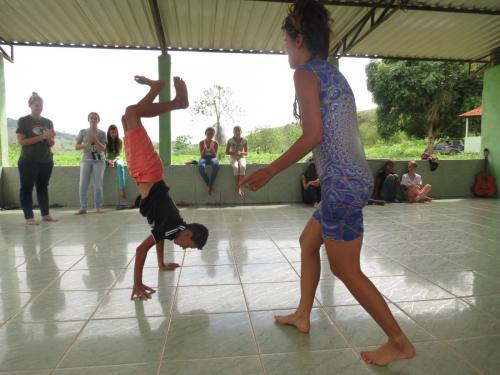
(32,173)
(311,195)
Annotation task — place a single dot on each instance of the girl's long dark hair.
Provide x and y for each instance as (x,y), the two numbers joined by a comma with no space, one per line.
(311,19)
(113,143)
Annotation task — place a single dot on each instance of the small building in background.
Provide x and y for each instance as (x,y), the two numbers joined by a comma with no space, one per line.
(472,139)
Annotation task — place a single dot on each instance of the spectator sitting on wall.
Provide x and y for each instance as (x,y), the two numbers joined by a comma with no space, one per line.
(208,152)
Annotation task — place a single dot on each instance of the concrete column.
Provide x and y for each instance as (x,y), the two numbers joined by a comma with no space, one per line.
(164,65)
(4,141)
(490,123)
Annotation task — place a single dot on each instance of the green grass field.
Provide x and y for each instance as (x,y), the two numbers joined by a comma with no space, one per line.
(405,150)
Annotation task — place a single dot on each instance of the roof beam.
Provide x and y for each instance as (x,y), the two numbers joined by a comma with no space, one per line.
(9,58)
(160,33)
(354,36)
(403,4)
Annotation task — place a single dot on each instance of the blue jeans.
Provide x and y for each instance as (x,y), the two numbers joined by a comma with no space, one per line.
(94,169)
(202,164)
(32,173)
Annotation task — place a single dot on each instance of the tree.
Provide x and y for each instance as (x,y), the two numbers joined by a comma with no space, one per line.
(182,144)
(216,102)
(422,98)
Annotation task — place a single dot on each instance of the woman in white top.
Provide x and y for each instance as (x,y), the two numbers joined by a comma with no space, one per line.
(412,184)
(237,149)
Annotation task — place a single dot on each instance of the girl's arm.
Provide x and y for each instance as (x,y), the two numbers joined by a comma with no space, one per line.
(100,145)
(24,141)
(227,149)
(305,185)
(80,145)
(307,89)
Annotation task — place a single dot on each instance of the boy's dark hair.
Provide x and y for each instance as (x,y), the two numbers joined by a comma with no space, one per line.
(199,234)
(210,128)
(311,19)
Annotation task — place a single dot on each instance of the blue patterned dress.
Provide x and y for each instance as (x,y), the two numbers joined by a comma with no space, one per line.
(346,179)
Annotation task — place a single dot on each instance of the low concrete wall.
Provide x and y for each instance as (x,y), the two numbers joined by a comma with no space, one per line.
(453,178)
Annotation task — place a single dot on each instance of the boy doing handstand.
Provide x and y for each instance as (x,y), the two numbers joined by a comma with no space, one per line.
(146,169)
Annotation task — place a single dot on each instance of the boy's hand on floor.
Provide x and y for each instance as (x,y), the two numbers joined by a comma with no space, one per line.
(169,266)
(141,291)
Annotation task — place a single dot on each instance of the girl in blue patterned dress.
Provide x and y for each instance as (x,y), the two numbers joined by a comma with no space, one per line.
(329,128)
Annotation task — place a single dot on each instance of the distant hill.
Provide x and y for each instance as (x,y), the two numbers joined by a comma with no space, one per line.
(64,141)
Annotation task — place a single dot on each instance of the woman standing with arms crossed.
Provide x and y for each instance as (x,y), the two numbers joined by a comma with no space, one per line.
(93,143)
(36,135)
(329,128)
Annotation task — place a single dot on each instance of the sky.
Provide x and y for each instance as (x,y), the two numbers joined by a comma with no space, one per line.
(76,81)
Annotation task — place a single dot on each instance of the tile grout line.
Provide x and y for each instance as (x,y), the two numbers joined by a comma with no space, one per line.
(171,317)
(259,353)
(86,322)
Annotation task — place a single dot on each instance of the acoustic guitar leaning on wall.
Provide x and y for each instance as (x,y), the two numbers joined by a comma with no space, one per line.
(484,185)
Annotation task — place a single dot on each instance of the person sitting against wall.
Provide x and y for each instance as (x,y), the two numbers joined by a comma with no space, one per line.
(412,185)
(387,185)
(311,188)
(237,149)
(114,160)
(36,136)
(93,143)
(208,151)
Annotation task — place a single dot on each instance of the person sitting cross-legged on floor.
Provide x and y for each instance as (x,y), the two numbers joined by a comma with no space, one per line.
(412,185)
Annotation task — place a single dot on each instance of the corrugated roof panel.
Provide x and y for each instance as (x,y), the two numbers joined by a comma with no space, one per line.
(471,4)
(99,22)
(247,25)
(433,34)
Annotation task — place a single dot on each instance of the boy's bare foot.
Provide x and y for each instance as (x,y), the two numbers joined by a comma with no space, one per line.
(210,191)
(153,83)
(181,93)
(99,210)
(169,266)
(49,218)
(81,212)
(392,350)
(302,324)
(31,221)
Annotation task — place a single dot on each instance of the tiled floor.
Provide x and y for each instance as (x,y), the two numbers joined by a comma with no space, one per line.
(65,303)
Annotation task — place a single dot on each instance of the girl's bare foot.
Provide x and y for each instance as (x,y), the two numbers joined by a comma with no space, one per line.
(240,193)
(392,350)
(31,221)
(81,212)
(181,94)
(302,324)
(49,218)
(122,194)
